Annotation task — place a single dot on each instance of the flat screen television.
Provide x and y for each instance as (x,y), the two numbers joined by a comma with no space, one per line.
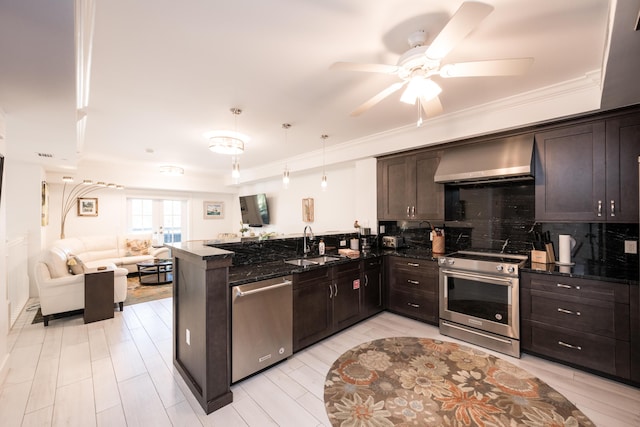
(254,210)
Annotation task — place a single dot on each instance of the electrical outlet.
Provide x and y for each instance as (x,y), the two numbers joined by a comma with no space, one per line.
(188,337)
(630,246)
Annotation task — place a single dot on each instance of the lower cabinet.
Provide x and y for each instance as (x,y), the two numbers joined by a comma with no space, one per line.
(412,288)
(582,322)
(325,300)
(371,287)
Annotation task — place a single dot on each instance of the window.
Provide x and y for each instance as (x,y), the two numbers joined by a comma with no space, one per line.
(147,216)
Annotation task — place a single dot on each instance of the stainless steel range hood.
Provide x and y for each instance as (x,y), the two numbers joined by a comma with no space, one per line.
(496,160)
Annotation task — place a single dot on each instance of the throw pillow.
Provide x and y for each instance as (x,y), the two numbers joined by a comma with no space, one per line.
(138,247)
(76,266)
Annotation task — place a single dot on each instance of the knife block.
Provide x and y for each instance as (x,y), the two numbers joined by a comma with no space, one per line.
(541,257)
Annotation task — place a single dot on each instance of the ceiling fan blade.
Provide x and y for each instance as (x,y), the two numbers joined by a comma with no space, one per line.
(377,98)
(466,18)
(495,67)
(367,68)
(431,107)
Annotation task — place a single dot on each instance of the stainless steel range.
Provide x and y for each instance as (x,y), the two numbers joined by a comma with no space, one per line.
(479,299)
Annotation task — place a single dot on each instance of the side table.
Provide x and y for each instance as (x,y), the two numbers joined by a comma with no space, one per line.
(98,294)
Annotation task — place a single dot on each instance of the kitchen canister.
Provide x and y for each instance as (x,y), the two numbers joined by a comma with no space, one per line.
(437,246)
(354,244)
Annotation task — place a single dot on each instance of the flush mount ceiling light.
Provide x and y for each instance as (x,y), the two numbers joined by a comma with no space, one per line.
(227,142)
(171,170)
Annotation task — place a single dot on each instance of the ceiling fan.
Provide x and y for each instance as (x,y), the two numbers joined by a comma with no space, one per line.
(421,62)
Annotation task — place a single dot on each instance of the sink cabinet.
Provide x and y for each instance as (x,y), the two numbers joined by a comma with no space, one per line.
(406,189)
(412,287)
(581,322)
(589,171)
(325,300)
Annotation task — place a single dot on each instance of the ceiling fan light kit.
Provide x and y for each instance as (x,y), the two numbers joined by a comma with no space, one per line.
(421,62)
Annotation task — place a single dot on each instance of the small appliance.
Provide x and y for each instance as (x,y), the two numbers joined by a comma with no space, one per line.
(393,242)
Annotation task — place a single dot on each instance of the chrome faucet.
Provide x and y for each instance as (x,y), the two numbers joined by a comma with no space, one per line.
(305,247)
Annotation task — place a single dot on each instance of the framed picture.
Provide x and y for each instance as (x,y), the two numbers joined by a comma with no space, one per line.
(87,206)
(307,210)
(213,210)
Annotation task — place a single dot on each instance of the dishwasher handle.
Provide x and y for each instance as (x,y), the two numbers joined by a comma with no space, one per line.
(239,293)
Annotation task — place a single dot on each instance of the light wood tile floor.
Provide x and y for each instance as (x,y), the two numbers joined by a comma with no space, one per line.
(119,372)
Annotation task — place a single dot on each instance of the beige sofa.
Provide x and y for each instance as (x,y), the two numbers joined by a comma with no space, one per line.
(61,290)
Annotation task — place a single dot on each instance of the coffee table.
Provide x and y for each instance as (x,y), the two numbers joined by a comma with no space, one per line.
(156,272)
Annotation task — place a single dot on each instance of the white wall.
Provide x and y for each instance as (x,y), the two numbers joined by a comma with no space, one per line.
(350,196)
(4,309)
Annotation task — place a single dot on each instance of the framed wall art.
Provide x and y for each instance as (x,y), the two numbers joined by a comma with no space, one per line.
(44,212)
(307,210)
(87,206)
(213,210)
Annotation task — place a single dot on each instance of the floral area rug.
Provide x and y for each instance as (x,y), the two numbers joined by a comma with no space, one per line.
(408,381)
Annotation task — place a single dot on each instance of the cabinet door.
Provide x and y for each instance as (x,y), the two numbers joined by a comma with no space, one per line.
(346,295)
(570,173)
(623,149)
(371,287)
(311,308)
(396,183)
(429,196)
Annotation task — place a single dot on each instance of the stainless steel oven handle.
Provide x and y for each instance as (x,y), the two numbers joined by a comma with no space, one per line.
(507,281)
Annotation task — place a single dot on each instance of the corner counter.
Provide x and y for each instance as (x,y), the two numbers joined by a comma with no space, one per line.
(201,339)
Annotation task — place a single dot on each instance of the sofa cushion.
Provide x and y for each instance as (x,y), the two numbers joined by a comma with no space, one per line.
(137,247)
(56,261)
(76,266)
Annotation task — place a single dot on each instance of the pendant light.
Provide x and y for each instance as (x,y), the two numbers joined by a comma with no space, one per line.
(235,170)
(285,173)
(323,183)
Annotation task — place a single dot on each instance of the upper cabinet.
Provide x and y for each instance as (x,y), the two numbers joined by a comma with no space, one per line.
(589,171)
(406,189)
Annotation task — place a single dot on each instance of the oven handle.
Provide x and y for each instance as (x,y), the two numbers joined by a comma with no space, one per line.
(507,281)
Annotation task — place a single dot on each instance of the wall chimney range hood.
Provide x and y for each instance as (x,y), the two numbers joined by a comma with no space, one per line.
(506,159)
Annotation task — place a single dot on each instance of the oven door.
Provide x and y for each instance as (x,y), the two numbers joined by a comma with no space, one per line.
(486,302)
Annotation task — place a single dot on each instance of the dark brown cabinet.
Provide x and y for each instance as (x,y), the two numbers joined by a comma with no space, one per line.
(579,321)
(412,287)
(589,171)
(325,300)
(406,189)
(371,287)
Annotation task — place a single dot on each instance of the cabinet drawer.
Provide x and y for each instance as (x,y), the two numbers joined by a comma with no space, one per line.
(581,314)
(311,277)
(418,305)
(582,288)
(588,350)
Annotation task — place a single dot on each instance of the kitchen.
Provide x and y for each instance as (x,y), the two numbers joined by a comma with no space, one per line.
(500,213)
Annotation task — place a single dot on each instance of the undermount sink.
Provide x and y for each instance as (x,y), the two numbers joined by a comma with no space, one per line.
(301,262)
(305,262)
(324,259)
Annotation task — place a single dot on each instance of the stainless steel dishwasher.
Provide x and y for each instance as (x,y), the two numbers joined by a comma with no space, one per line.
(261,325)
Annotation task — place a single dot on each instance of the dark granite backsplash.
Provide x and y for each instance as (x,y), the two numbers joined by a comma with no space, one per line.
(501,217)
(250,251)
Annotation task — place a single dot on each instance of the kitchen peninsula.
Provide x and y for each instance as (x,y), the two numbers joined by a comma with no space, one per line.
(201,347)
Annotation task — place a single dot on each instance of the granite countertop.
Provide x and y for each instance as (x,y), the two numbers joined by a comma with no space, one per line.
(620,273)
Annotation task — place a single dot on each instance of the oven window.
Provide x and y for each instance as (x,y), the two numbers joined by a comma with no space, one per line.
(478,299)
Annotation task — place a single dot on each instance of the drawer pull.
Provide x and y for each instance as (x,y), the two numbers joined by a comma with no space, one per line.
(410,304)
(413,282)
(564,344)
(613,208)
(413,264)
(562,310)
(599,207)
(560,285)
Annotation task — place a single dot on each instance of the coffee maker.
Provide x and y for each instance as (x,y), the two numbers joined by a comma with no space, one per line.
(367,240)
